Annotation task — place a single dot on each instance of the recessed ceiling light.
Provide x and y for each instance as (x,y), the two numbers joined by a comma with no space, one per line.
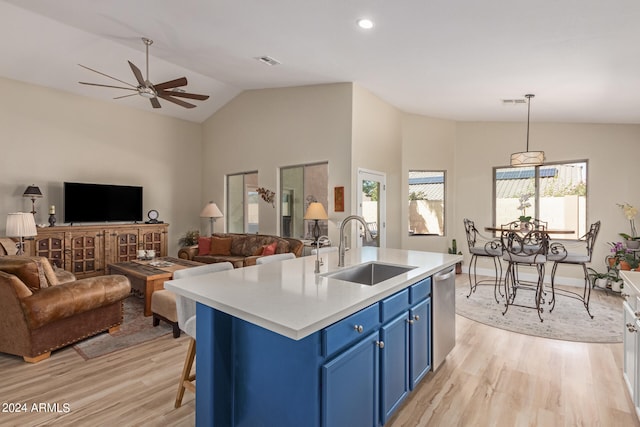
(365,23)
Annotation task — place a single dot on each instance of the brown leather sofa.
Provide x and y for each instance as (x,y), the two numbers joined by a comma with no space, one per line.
(38,314)
(243,249)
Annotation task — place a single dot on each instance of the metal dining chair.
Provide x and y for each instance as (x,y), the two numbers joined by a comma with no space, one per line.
(576,252)
(528,249)
(485,247)
(186,309)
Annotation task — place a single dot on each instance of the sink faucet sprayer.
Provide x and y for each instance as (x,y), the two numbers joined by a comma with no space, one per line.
(341,248)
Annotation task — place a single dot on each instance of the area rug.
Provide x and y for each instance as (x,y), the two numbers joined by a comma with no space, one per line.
(569,320)
(135,329)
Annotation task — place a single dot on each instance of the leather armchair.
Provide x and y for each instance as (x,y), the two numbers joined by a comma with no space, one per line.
(38,314)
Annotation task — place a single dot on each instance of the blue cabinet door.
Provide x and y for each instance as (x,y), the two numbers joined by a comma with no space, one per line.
(350,386)
(394,365)
(420,341)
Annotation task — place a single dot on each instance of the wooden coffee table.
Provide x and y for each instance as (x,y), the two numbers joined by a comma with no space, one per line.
(146,277)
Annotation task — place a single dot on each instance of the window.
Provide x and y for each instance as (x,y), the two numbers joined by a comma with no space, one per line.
(242,203)
(426,203)
(554,192)
(299,186)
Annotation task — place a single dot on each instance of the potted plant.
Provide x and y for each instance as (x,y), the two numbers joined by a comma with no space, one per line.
(524,204)
(190,238)
(632,240)
(603,280)
(454,250)
(621,257)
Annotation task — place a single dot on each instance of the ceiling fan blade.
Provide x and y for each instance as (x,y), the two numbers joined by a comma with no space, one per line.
(138,74)
(155,103)
(182,81)
(125,96)
(114,87)
(184,95)
(175,101)
(106,75)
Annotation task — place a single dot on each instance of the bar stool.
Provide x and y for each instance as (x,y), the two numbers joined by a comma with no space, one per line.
(186,309)
(577,252)
(528,249)
(481,246)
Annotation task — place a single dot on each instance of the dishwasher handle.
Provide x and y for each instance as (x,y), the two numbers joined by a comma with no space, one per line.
(443,275)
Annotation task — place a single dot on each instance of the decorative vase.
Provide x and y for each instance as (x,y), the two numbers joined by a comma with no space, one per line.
(632,244)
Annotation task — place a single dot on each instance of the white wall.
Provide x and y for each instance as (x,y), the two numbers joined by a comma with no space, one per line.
(267,129)
(49,137)
(430,144)
(376,143)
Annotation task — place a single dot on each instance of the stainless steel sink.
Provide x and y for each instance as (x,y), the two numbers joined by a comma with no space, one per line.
(370,273)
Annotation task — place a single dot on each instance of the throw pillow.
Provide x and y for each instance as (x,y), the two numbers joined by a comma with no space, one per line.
(220,246)
(204,245)
(270,249)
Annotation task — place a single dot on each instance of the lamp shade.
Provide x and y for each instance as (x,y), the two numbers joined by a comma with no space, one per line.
(32,191)
(315,211)
(211,211)
(527,158)
(21,224)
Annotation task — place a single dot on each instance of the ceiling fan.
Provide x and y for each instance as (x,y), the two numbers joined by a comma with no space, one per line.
(168,90)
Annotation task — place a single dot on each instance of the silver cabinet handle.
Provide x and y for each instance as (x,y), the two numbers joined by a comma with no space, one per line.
(625,296)
(358,328)
(631,327)
(414,320)
(637,314)
(380,344)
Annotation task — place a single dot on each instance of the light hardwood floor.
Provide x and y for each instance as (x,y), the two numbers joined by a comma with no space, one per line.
(492,378)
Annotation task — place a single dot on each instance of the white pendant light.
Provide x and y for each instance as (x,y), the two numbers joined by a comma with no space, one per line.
(528,158)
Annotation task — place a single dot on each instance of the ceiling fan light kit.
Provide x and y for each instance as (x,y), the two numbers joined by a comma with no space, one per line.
(167,90)
(527,158)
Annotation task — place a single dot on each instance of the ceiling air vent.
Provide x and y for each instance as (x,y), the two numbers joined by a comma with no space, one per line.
(268,60)
(513,101)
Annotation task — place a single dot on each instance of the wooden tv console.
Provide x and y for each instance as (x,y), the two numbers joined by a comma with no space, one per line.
(86,250)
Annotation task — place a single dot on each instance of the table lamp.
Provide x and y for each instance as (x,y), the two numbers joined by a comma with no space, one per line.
(21,225)
(316,212)
(32,192)
(212,212)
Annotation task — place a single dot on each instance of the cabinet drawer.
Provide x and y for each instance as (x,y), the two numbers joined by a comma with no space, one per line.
(394,305)
(350,329)
(420,290)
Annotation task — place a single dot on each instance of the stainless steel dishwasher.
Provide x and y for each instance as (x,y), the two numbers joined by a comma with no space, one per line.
(444,314)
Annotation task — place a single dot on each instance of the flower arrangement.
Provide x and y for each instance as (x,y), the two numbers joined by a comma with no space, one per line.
(622,258)
(524,204)
(630,213)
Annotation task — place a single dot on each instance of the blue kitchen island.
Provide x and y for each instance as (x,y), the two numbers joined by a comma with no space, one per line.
(279,345)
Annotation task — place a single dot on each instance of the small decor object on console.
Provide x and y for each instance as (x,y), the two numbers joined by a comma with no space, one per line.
(153,217)
(267,195)
(52,216)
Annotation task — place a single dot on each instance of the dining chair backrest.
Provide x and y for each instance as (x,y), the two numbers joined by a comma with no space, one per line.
(590,238)
(532,224)
(186,307)
(471,232)
(528,248)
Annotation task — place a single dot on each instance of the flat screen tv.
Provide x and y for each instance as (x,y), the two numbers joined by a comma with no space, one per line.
(101,202)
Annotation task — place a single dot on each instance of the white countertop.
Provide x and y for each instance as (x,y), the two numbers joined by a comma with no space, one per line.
(631,278)
(288,298)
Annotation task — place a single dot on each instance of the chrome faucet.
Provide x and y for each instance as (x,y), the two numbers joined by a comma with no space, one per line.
(341,248)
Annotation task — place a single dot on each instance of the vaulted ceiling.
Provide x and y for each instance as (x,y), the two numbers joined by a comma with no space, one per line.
(450,59)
